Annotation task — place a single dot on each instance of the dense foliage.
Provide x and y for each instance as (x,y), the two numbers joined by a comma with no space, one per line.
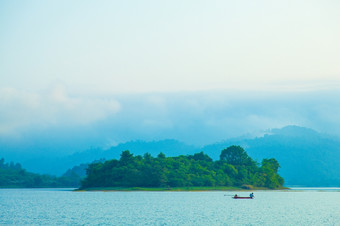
(308,158)
(235,168)
(14,176)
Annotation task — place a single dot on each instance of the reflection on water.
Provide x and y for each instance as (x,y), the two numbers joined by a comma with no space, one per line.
(61,206)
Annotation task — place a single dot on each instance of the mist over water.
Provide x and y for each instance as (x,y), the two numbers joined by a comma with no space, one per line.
(196,118)
(82,82)
(112,72)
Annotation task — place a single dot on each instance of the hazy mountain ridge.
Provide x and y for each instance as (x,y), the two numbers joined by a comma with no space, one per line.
(306,157)
(58,165)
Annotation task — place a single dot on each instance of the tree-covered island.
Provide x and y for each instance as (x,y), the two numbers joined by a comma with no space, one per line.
(234,169)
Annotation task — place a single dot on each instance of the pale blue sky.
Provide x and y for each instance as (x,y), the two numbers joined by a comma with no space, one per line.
(87,63)
(133,46)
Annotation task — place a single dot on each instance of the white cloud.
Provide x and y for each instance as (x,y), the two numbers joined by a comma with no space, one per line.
(19,109)
(193,117)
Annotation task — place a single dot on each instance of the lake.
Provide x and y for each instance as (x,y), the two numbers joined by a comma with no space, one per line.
(299,206)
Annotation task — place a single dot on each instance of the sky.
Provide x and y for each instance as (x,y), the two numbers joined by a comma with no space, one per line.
(98,73)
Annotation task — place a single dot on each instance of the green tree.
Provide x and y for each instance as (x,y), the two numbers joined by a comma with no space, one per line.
(235,155)
(161,155)
(126,157)
(272,164)
(270,177)
(235,168)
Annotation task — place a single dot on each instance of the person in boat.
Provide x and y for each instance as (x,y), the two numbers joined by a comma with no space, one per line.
(251,195)
(235,196)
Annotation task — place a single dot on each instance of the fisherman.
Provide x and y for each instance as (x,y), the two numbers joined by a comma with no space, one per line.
(251,195)
(235,196)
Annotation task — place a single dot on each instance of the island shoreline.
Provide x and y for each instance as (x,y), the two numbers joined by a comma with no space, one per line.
(175,189)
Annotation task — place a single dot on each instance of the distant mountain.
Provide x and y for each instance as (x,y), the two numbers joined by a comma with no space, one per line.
(59,165)
(14,176)
(307,158)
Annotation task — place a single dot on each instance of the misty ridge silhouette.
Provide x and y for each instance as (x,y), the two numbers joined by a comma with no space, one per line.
(307,158)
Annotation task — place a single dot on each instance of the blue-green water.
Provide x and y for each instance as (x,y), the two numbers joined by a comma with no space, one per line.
(62,207)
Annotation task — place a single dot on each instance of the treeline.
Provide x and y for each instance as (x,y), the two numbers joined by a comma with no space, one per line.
(12,175)
(234,168)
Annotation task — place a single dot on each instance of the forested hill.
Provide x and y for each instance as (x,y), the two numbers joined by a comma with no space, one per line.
(58,165)
(234,168)
(307,158)
(12,175)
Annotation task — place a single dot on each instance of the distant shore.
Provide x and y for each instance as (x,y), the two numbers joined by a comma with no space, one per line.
(219,188)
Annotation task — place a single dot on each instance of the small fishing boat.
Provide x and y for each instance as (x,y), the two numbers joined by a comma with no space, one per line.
(238,197)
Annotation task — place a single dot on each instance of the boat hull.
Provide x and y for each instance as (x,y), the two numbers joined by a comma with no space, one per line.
(242,198)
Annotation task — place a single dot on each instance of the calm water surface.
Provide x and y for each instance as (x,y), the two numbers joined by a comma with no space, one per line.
(64,207)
